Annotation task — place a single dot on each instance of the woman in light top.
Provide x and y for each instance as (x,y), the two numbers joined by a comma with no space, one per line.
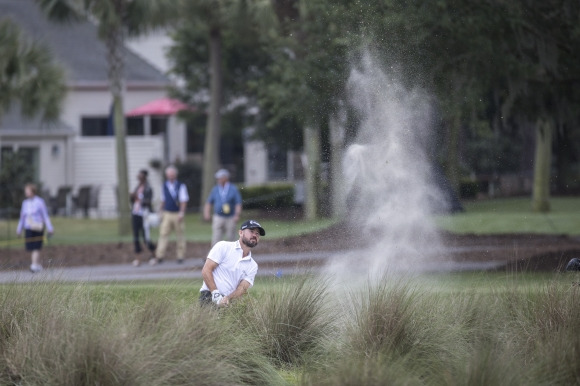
(33,220)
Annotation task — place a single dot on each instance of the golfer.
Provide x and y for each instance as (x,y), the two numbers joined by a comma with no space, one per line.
(229,269)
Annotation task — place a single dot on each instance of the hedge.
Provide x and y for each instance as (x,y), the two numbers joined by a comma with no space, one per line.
(268,196)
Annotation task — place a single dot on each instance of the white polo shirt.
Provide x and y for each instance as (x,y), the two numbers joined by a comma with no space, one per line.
(232,267)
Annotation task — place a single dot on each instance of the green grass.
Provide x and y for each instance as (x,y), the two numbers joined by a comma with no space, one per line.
(70,230)
(514,215)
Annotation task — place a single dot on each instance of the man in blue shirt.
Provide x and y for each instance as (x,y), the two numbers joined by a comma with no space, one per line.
(227,207)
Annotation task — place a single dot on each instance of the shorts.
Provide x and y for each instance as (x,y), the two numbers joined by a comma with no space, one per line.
(33,239)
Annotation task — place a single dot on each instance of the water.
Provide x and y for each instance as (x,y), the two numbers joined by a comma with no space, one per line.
(388,174)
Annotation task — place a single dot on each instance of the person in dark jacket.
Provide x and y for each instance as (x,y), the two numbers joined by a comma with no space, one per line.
(141,201)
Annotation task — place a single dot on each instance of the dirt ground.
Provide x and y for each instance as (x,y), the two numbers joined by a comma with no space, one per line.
(519,251)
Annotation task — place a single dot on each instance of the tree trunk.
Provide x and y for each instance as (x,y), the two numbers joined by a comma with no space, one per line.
(542,163)
(562,162)
(453,151)
(115,42)
(312,170)
(213,131)
(337,134)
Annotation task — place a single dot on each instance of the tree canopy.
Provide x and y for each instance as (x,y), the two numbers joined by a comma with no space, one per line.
(503,74)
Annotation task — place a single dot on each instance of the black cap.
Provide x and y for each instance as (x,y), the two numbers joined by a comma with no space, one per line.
(251,224)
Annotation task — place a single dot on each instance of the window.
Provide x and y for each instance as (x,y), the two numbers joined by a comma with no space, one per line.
(158,125)
(102,126)
(95,127)
(135,126)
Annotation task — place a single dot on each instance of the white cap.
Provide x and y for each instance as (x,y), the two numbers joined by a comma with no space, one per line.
(222,173)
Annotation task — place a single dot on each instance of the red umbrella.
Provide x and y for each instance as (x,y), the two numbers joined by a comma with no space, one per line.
(163,106)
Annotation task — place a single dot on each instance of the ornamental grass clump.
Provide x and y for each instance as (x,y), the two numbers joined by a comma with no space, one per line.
(292,323)
(63,335)
(544,326)
(396,332)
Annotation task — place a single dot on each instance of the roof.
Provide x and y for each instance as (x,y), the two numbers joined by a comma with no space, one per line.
(12,123)
(163,106)
(77,48)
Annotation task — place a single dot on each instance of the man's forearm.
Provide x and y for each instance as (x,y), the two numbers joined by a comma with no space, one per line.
(240,291)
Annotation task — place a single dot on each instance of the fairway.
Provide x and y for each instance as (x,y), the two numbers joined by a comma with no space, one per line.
(443,283)
(514,215)
(75,231)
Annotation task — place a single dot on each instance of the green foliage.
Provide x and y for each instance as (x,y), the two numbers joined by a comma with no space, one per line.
(268,196)
(189,173)
(14,174)
(242,52)
(468,189)
(28,75)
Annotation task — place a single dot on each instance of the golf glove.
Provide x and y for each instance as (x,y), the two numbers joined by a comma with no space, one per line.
(216,297)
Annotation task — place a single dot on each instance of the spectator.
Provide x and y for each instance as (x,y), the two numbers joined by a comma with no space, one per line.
(141,199)
(174,198)
(33,219)
(227,207)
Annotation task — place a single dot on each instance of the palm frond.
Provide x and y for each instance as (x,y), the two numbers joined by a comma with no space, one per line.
(28,75)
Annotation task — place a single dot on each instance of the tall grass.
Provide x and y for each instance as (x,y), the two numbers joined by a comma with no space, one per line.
(292,323)
(395,331)
(546,325)
(399,333)
(54,335)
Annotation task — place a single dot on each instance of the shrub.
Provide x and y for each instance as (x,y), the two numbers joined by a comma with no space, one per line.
(292,323)
(190,174)
(15,172)
(269,196)
(396,334)
(544,326)
(468,189)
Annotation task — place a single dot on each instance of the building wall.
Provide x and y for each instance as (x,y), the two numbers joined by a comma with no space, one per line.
(255,163)
(95,163)
(82,102)
(53,161)
(92,160)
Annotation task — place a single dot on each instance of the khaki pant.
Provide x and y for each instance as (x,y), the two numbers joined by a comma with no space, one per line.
(169,223)
(223,226)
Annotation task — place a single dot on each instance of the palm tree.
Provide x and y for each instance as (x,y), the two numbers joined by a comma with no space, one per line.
(28,75)
(116,20)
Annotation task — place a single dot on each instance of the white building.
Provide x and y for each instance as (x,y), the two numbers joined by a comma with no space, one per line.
(79,150)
